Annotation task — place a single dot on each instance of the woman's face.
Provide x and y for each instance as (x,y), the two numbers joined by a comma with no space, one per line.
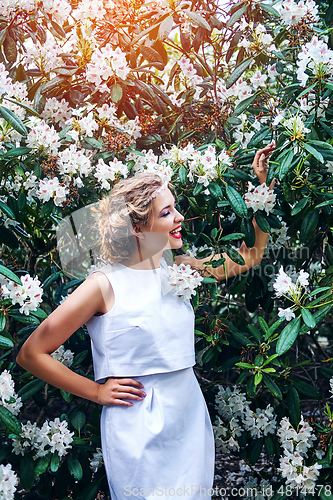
(165,223)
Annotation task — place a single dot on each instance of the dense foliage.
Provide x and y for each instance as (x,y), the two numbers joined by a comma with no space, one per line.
(92,92)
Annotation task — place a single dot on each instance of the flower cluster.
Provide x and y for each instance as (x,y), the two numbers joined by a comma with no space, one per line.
(97,460)
(295,446)
(237,417)
(8,482)
(292,12)
(105,173)
(315,55)
(183,280)
(204,168)
(9,399)
(107,63)
(52,437)
(295,127)
(52,188)
(277,238)
(65,357)
(28,295)
(192,79)
(43,137)
(260,198)
(284,284)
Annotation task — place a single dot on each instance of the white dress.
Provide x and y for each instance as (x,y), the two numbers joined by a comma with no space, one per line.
(162,446)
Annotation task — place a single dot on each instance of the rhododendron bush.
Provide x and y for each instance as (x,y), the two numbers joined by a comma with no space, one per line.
(96,91)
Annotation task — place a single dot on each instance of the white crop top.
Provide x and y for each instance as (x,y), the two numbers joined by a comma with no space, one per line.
(147,331)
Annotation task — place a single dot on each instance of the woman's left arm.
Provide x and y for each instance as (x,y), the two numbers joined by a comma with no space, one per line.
(252,256)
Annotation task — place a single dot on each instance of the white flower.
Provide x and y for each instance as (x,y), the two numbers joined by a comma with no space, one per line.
(183,280)
(72,160)
(288,313)
(57,111)
(97,461)
(260,198)
(43,138)
(105,173)
(106,63)
(295,127)
(292,13)
(65,357)
(52,437)
(278,237)
(9,399)
(283,284)
(303,278)
(8,482)
(28,295)
(51,188)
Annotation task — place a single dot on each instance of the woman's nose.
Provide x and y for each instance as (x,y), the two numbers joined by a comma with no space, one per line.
(179,217)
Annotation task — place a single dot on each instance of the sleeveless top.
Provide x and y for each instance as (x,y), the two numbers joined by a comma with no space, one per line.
(149,329)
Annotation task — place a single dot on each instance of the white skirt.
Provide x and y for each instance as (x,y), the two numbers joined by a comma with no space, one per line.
(163,446)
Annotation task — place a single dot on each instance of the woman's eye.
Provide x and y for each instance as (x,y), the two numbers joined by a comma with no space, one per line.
(166,213)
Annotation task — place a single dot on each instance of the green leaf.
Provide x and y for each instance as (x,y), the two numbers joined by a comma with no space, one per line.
(90,491)
(6,343)
(269,9)
(259,136)
(241,106)
(78,420)
(285,164)
(165,28)
(182,175)
(263,324)
(215,190)
(151,55)
(314,152)
(16,152)
(269,445)
(245,365)
(30,389)
(39,313)
(29,320)
(10,421)
(255,448)
(257,378)
(232,237)
(13,120)
(74,467)
(27,469)
(10,275)
(116,93)
(8,238)
(308,318)
(308,226)
(199,20)
(2,321)
(288,336)
(273,327)
(42,465)
(299,206)
(306,389)
(234,256)
(236,201)
(237,15)
(272,386)
(255,332)
(67,396)
(249,232)
(6,210)
(294,406)
(55,462)
(58,29)
(262,222)
(238,71)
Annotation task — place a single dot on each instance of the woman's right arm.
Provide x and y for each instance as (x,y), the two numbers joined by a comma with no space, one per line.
(35,354)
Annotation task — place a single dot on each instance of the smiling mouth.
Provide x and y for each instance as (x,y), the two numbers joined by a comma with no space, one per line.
(176,233)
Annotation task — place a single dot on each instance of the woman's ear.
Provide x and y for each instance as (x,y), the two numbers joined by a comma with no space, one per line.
(136,231)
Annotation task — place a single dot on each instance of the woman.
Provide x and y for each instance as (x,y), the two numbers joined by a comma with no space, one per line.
(156,433)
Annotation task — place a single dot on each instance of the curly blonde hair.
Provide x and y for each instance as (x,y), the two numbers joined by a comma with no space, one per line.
(122,211)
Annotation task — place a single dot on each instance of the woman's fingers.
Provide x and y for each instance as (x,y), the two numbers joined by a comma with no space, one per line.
(128,381)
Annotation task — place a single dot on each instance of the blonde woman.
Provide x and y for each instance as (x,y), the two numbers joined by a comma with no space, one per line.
(157,437)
